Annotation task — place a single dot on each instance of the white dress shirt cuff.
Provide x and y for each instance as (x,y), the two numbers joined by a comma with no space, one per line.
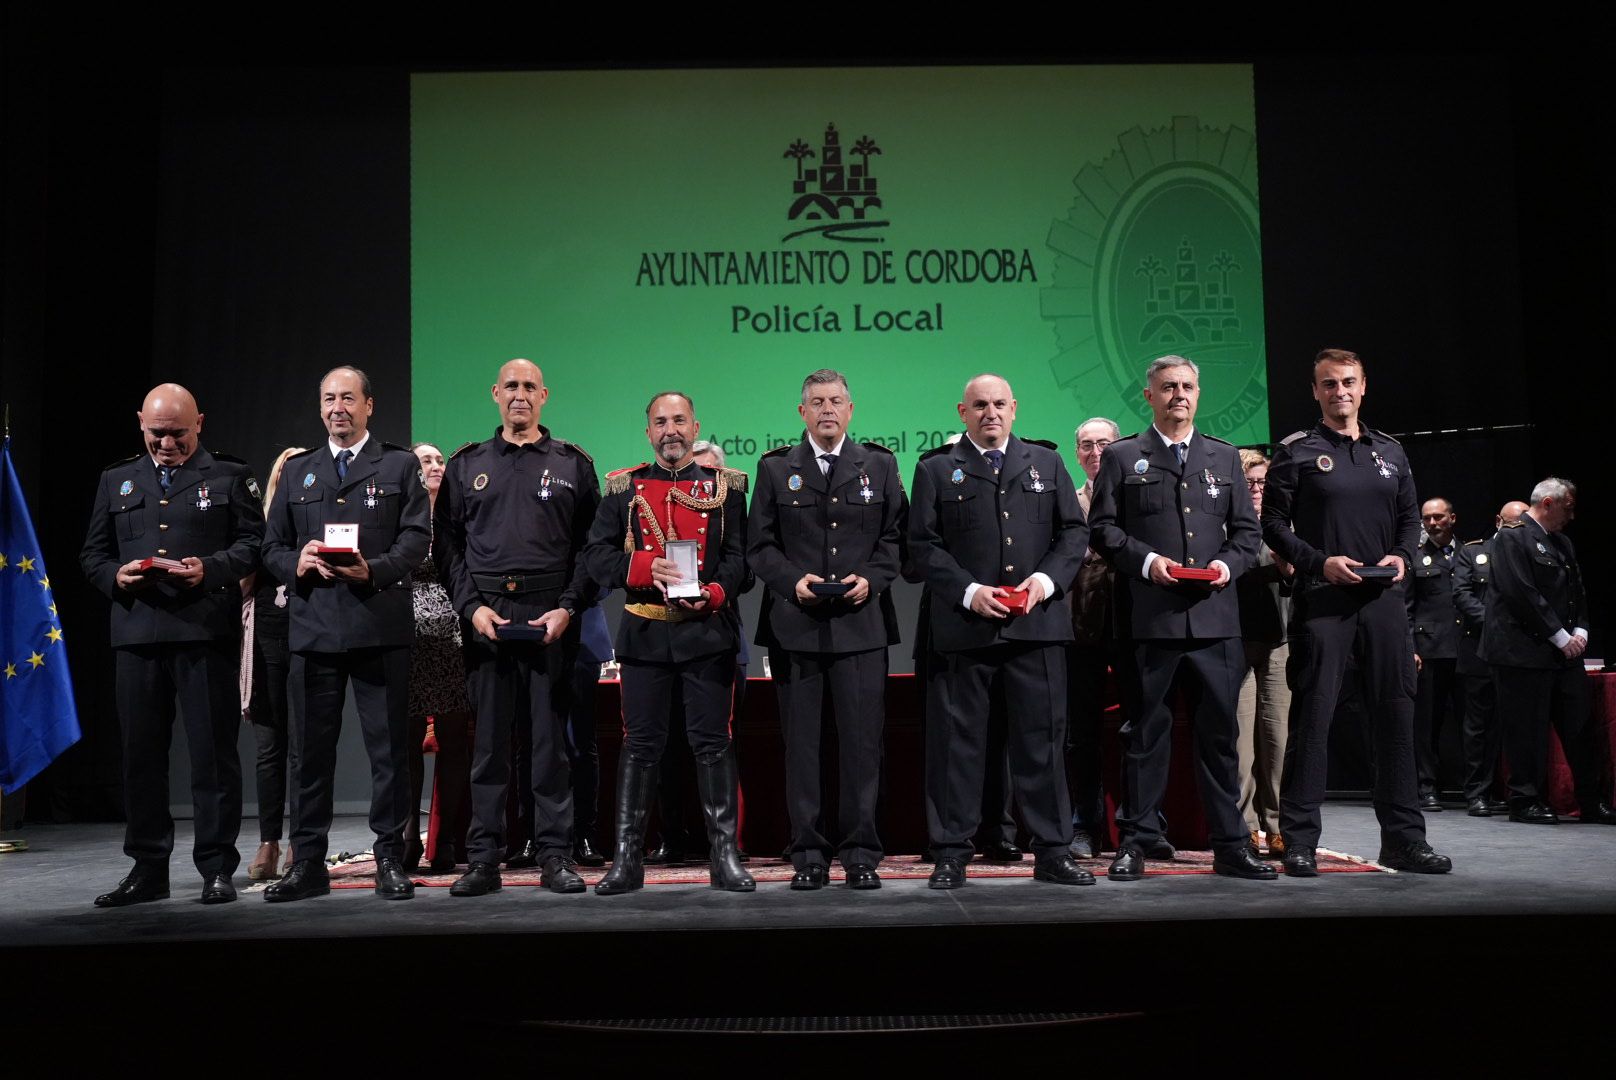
(1560,638)
(970,593)
(1152,557)
(1581,632)
(1044,580)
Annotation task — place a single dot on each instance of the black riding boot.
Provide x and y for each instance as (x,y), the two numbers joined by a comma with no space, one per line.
(636,785)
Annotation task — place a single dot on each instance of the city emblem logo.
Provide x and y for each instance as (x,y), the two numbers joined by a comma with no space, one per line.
(838,194)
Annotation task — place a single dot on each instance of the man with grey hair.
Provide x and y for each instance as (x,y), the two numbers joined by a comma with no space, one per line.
(826,523)
(1170,504)
(1534,638)
(1088,657)
(352,621)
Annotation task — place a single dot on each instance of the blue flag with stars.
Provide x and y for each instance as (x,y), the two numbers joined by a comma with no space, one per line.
(38,719)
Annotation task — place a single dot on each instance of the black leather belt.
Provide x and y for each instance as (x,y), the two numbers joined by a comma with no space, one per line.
(518,584)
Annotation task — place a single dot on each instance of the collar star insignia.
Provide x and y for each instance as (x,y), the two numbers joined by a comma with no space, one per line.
(55,634)
(26,565)
(37,660)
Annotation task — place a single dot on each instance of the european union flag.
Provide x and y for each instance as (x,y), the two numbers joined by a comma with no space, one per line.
(38,719)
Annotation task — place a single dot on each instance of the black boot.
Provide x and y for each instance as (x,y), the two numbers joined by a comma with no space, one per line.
(636,784)
(719,786)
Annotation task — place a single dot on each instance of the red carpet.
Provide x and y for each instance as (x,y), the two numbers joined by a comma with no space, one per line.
(358,873)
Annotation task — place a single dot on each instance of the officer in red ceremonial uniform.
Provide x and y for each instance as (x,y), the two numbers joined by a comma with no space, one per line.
(681,647)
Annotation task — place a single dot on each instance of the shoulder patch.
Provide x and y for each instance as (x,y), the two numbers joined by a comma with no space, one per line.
(878,446)
(1045,443)
(1293,437)
(1517,523)
(934,451)
(778,450)
(735,478)
(463,448)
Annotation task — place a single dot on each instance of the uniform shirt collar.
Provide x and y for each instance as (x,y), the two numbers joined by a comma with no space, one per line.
(841,444)
(1169,442)
(356,447)
(984,451)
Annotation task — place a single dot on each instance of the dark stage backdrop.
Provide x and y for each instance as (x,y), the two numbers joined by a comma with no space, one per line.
(242,231)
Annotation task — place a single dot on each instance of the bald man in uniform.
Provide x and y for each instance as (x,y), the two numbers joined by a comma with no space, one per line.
(176,634)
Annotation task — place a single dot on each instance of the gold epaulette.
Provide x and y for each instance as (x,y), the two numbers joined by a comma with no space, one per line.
(1517,523)
(735,478)
(617,481)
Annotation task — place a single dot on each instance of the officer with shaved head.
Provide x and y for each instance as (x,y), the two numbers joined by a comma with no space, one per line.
(173,531)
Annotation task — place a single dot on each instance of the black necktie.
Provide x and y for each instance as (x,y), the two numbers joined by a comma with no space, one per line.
(995,458)
(830,463)
(1181,451)
(165,476)
(343,457)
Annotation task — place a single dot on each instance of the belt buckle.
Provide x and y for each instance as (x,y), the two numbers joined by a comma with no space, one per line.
(511,584)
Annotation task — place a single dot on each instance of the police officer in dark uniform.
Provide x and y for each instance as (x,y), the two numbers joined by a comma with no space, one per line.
(828,511)
(513,515)
(352,621)
(997,532)
(681,647)
(176,634)
(1534,638)
(1436,624)
(1340,497)
(1175,499)
(1483,740)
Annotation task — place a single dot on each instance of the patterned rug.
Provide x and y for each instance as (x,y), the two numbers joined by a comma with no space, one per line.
(358,871)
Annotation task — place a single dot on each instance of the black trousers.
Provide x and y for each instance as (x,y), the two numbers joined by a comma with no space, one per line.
(856,686)
(1031,678)
(1329,627)
(511,683)
(1153,669)
(202,678)
(380,679)
(276,759)
(1530,701)
(706,686)
(1085,714)
(583,749)
(1436,698)
(1483,736)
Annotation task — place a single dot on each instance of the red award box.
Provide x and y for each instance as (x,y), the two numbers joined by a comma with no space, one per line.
(1190,573)
(338,556)
(159,565)
(1016,601)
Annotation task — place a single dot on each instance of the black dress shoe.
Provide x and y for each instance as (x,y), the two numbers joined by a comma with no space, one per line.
(480,879)
(1479,808)
(1533,813)
(948,874)
(1060,869)
(585,853)
(1129,865)
(1601,814)
(1242,862)
(1000,851)
(306,878)
(810,877)
(666,854)
(863,876)
(142,886)
(1082,845)
(392,883)
(560,875)
(218,889)
(1414,858)
(1300,862)
(1498,806)
(1430,803)
(526,859)
(1161,850)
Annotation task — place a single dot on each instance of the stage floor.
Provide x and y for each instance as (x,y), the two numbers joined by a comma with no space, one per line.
(1184,945)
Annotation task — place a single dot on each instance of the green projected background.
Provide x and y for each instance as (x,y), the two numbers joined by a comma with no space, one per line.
(726,232)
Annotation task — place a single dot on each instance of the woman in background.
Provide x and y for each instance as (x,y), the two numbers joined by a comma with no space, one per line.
(440,712)
(265,664)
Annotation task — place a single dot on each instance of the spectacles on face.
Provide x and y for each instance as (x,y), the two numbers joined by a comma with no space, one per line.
(1090,445)
(1256,485)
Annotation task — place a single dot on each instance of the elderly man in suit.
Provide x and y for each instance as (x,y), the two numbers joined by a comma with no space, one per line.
(352,621)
